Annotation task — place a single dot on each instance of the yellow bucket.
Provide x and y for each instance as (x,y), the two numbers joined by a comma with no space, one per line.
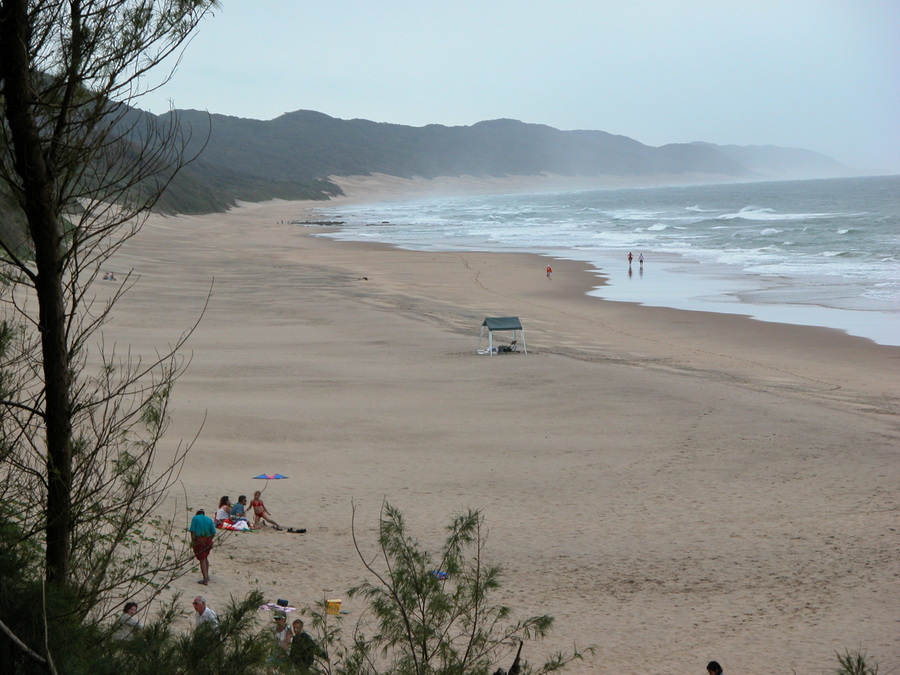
(333,606)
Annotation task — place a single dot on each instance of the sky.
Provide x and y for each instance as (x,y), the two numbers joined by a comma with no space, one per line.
(817,74)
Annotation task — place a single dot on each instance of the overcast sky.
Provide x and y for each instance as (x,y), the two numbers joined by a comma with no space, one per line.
(816,74)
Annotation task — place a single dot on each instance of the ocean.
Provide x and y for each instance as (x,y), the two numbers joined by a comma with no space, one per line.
(811,252)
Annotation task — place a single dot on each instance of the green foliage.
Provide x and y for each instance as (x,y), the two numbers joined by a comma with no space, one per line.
(78,176)
(202,187)
(307,145)
(855,663)
(239,646)
(431,614)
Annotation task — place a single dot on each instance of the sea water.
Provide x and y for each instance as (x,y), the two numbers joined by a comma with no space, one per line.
(813,252)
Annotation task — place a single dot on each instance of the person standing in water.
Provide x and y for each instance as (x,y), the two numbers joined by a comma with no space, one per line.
(630,258)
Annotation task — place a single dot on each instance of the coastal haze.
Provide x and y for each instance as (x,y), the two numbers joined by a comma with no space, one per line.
(674,486)
(820,75)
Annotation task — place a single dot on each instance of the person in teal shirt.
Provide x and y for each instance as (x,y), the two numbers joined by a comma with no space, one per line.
(202,531)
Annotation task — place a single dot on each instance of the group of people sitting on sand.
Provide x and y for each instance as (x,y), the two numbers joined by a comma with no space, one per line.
(236,516)
(232,514)
(228,517)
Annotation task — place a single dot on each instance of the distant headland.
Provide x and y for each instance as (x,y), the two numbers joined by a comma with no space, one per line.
(296,155)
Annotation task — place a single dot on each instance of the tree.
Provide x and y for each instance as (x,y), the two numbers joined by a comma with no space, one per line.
(430,615)
(83,168)
(855,663)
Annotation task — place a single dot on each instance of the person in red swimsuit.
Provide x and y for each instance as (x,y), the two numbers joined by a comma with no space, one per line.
(260,512)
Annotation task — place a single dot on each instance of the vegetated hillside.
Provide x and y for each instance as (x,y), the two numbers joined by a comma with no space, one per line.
(306,145)
(293,155)
(211,182)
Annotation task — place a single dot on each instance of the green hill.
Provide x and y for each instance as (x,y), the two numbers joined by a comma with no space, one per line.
(293,156)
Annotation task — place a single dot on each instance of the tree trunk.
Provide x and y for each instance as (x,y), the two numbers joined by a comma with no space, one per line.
(45,226)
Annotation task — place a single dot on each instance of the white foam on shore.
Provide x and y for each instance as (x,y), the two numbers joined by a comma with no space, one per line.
(833,267)
(678,283)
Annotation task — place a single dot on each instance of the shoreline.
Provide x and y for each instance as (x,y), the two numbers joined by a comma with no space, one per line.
(674,281)
(570,291)
(675,485)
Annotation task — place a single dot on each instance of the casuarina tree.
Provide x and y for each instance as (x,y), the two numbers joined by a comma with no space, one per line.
(432,613)
(80,168)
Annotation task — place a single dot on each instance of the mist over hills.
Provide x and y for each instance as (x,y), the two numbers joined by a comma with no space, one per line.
(293,156)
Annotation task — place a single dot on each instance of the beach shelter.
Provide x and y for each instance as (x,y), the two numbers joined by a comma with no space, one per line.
(494,324)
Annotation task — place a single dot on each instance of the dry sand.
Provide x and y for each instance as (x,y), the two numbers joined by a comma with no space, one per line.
(672,486)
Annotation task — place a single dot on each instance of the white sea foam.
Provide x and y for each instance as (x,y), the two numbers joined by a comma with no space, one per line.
(711,225)
(753,213)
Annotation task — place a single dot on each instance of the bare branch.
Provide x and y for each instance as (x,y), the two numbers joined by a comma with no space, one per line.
(21,646)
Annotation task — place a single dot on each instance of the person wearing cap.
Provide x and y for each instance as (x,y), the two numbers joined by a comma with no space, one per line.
(282,632)
(202,530)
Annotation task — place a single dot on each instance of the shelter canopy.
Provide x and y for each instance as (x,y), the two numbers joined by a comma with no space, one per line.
(493,323)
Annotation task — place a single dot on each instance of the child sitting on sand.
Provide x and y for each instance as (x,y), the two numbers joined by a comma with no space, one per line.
(260,512)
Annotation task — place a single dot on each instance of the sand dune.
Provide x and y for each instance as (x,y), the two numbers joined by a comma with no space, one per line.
(672,486)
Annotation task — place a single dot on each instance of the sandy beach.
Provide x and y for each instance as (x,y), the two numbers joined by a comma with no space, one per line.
(672,486)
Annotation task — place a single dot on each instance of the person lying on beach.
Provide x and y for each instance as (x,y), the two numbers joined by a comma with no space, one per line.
(260,512)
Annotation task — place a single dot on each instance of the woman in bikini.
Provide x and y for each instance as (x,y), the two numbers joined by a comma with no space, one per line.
(260,512)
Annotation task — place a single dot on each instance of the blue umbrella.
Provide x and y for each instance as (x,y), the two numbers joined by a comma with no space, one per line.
(269,476)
